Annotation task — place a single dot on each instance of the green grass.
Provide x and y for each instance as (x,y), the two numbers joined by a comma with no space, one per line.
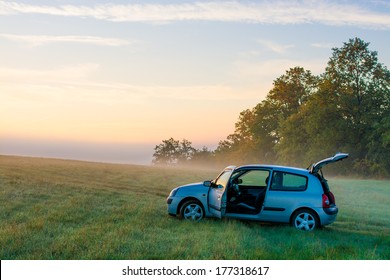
(58,209)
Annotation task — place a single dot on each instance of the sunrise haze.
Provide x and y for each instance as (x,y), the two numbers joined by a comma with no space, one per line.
(109,80)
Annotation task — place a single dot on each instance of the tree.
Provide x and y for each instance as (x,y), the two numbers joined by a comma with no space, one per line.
(172,151)
(358,86)
(257,131)
(167,152)
(185,151)
(310,134)
(239,147)
(347,113)
(306,117)
(379,147)
(204,157)
(291,90)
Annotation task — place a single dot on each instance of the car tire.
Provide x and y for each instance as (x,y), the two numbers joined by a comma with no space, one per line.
(305,219)
(192,210)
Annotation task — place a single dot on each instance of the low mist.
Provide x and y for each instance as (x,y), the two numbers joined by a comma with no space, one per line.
(98,152)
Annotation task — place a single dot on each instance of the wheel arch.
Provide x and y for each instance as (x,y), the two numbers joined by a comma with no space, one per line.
(306,208)
(189,198)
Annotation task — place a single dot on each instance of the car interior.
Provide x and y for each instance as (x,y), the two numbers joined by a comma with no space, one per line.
(246,191)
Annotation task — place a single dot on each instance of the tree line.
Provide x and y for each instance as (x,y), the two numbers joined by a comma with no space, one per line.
(305,118)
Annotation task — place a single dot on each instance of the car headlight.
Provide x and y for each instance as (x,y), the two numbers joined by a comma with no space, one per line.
(173,192)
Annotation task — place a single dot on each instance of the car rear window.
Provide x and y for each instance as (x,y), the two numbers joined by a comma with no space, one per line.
(284,181)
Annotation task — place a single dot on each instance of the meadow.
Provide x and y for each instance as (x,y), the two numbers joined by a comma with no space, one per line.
(62,209)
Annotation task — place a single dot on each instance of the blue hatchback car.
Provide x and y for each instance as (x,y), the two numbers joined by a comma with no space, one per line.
(266,193)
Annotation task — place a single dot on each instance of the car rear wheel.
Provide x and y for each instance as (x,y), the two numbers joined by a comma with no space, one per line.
(192,210)
(305,219)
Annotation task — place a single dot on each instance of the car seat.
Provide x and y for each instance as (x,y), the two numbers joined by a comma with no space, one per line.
(258,201)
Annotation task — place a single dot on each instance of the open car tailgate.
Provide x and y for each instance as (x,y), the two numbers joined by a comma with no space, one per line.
(315,167)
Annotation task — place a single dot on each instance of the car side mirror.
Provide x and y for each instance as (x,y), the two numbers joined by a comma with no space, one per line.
(207,183)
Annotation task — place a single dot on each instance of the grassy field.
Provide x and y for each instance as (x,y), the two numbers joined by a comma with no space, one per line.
(59,209)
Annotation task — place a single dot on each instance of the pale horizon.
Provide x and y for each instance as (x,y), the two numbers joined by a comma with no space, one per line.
(109,80)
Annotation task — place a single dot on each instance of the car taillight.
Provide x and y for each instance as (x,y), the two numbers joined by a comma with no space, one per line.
(325,201)
(332,198)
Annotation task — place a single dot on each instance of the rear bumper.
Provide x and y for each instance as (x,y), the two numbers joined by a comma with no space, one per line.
(327,215)
(331,210)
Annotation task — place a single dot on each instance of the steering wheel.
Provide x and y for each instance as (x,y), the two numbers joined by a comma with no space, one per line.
(236,188)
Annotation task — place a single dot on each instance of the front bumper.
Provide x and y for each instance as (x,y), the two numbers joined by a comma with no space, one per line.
(173,203)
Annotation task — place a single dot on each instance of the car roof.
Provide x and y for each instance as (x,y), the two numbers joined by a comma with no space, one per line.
(275,167)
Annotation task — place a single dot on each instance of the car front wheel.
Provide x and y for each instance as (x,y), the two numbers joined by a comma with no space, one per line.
(305,219)
(192,210)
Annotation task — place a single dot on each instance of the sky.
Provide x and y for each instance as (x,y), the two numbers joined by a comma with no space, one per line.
(109,80)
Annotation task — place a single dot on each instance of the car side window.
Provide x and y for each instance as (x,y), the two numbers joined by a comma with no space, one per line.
(284,181)
(223,179)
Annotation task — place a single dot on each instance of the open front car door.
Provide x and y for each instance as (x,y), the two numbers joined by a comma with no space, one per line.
(217,193)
